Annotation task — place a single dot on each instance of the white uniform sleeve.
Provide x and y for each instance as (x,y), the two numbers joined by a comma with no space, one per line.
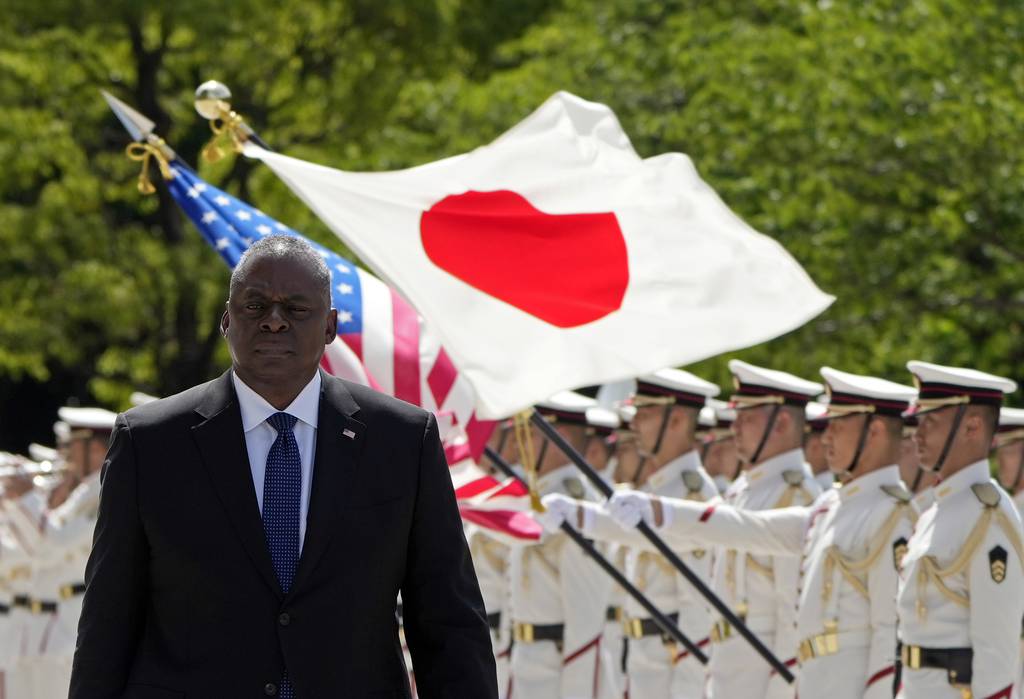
(883,580)
(691,524)
(585,591)
(996,610)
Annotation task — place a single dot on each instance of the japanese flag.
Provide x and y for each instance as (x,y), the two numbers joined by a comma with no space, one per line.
(556,257)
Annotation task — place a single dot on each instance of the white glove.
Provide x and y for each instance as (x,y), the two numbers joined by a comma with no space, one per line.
(558,508)
(630,507)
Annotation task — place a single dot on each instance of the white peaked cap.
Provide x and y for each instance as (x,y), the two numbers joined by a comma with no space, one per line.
(682,386)
(39,453)
(567,406)
(603,419)
(758,386)
(87,418)
(941,386)
(855,393)
(1011,417)
(707,417)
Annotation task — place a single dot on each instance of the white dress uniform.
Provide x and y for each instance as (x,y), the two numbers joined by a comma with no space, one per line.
(15,615)
(849,543)
(656,665)
(24,517)
(59,581)
(491,559)
(558,597)
(961,596)
(760,589)
(613,683)
(963,588)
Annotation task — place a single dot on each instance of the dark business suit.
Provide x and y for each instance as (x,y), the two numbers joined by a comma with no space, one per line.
(182,599)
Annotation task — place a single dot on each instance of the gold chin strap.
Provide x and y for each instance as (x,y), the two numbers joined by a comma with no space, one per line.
(144,153)
(524,443)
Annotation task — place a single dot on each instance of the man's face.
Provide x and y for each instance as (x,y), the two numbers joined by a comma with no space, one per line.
(627,459)
(909,463)
(1008,459)
(646,424)
(932,432)
(596,453)
(720,459)
(814,451)
(840,441)
(748,429)
(277,322)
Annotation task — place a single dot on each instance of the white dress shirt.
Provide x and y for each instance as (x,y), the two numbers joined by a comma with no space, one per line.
(260,436)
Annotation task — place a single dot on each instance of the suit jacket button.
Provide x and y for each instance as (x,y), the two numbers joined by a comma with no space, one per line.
(283,619)
(270,689)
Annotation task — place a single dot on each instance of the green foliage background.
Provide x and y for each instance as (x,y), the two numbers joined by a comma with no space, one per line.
(879,141)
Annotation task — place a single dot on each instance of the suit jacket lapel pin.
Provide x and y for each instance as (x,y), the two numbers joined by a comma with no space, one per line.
(348,433)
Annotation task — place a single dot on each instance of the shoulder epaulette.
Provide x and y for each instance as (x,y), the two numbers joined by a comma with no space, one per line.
(574,487)
(897,492)
(793,476)
(693,481)
(987,493)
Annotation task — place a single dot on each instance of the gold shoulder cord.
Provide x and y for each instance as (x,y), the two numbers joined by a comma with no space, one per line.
(855,570)
(524,443)
(931,571)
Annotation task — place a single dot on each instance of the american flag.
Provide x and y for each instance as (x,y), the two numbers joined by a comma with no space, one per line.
(382,342)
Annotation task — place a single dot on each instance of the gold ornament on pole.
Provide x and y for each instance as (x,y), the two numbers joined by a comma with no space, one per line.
(213,102)
(144,153)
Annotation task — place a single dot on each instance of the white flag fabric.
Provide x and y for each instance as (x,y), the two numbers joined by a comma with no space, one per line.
(556,257)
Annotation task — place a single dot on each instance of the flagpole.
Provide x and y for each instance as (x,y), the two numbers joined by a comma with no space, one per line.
(721,607)
(588,547)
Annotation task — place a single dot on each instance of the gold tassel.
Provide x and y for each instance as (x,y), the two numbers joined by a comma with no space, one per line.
(524,443)
(229,126)
(143,153)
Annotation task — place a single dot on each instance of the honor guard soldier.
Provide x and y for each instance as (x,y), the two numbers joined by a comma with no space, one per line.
(558,594)
(719,457)
(1008,448)
(848,543)
(961,596)
(667,404)
(59,570)
(490,559)
(603,432)
(814,447)
(762,590)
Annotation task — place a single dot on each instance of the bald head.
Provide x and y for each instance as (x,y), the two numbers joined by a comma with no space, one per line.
(284,247)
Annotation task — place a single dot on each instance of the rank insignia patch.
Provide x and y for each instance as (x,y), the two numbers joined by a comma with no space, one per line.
(997,563)
(899,550)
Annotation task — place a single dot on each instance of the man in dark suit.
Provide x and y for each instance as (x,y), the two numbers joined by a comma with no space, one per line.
(255,531)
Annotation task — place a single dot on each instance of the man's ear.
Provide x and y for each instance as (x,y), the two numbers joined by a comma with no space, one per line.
(974,426)
(225,321)
(331,331)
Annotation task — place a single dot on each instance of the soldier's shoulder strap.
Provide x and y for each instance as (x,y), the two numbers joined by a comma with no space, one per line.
(693,481)
(987,494)
(897,492)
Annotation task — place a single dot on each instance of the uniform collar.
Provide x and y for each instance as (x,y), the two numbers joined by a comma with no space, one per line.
(766,471)
(690,461)
(978,472)
(255,409)
(553,481)
(871,482)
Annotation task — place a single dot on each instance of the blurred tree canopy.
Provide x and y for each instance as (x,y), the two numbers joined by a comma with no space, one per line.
(879,141)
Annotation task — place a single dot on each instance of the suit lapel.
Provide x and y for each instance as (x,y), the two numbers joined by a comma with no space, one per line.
(339,442)
(221,443)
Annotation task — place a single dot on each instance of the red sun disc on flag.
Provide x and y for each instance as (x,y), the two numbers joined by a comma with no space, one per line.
(565,269)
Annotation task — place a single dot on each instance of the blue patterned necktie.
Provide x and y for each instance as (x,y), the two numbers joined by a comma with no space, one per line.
(282,496)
